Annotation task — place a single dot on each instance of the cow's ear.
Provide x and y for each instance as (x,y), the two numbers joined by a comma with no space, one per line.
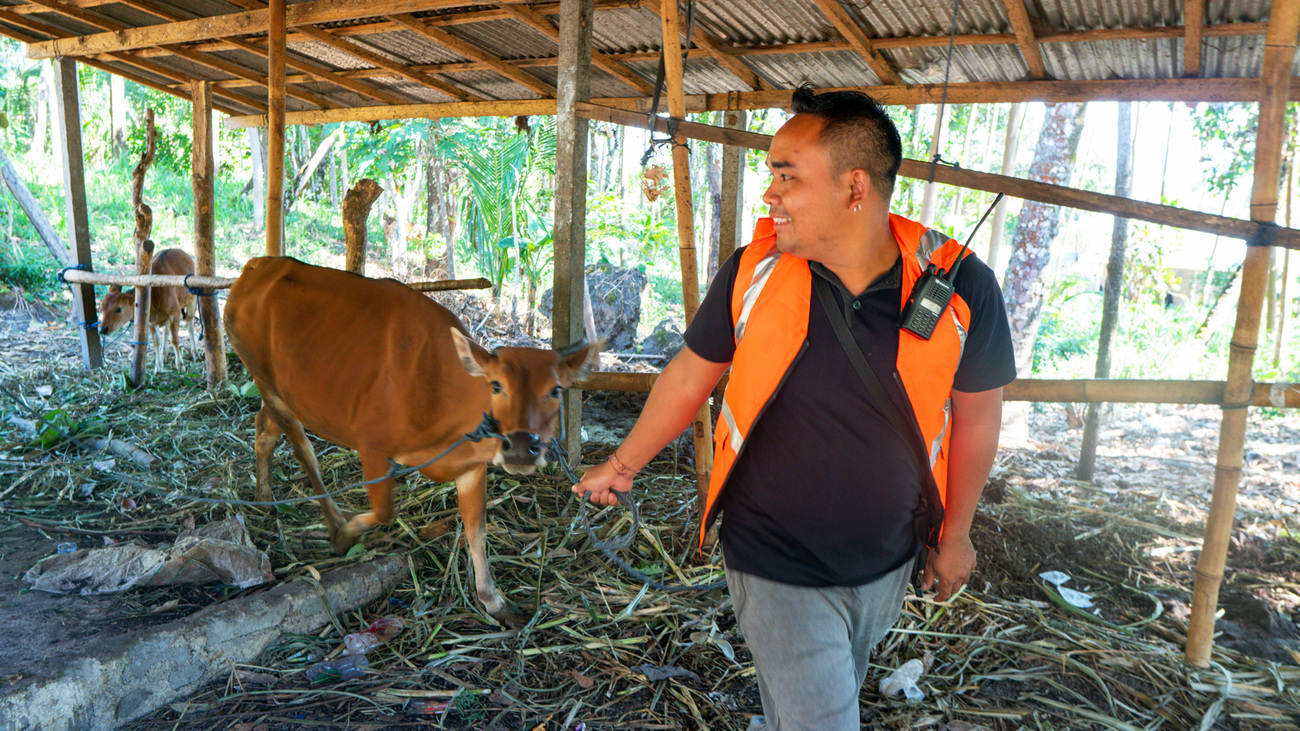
(472,355)
(576,362)
(115,289)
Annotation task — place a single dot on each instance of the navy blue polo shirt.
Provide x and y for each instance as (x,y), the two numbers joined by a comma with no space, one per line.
(824,491)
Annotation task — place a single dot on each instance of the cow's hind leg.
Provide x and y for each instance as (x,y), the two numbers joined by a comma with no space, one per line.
(268,433)
(306,455)
(379,488)
(471,495)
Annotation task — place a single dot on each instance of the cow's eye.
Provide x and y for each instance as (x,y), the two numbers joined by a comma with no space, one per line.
(496,387)
(555,392)
(119,309)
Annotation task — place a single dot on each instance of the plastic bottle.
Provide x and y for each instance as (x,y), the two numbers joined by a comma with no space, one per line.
(340,668)
(378,633)
(65,548)
(904,679)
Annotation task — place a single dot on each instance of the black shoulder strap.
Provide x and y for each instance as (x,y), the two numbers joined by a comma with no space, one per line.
(930,504)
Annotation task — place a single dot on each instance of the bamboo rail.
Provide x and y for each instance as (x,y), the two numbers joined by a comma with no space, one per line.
(78,276)
(1094,390)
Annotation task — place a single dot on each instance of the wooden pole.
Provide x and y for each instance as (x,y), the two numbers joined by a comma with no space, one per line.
(74,191)
(143,253)
(573,86)
(733,190)
(702,429)
(356,209)
(1276,395)
(275,122)
(1279,54)
(205,252)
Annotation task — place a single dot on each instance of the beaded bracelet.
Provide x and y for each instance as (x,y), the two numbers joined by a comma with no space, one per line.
(622,470)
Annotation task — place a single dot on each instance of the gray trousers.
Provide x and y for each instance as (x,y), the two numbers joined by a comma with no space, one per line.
(811,645)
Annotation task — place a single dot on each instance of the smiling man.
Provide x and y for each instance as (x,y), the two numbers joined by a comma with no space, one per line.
(833,487)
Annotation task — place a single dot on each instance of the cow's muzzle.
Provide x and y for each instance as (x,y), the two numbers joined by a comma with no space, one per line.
(522,452)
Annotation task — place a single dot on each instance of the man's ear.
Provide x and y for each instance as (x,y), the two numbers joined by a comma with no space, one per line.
(859,187)
(472,355)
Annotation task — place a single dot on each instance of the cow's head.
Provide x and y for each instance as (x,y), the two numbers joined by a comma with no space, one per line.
(116,309)
(527,385)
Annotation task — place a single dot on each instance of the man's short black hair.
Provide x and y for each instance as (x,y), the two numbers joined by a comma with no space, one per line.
(857,132)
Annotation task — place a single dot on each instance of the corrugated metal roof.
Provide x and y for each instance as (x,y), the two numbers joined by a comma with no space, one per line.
(743,23)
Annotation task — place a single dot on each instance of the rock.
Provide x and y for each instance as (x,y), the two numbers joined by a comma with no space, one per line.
(615,304)
(665,340)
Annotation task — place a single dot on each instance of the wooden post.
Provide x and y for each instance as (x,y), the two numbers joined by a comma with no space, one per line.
(356,209)
(74,190)
(143,253)
(35,214)
(733,191)
(205,253)
(1279,52)
(674,78)
(573,85)
(275,124)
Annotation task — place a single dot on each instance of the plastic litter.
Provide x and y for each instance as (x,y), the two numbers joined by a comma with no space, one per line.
(65,548)
(904,679)
(346,667)
(220,551)
(378,633)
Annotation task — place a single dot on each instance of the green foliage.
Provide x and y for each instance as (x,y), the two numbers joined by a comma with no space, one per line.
(1227,133)
(22,265)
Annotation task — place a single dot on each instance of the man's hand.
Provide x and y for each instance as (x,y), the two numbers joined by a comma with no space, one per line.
(952,565)
(602,480)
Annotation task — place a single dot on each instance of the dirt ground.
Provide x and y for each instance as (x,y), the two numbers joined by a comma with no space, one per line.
(1007,653)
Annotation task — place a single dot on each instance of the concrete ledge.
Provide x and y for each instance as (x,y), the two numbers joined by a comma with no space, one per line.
(123,678)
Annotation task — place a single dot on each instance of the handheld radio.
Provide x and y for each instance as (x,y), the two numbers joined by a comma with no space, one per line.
(933,291)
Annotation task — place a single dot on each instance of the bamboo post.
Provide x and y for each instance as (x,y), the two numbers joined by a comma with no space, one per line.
(356,209)
(275,124)
(674,76)
(204,179)
(143,253)
(1279,53)
(74,190)
(733,190)
(573,86)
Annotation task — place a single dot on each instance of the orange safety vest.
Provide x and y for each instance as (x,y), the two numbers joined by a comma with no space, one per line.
(769,310)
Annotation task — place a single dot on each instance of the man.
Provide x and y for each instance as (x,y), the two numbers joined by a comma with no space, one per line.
(826,498)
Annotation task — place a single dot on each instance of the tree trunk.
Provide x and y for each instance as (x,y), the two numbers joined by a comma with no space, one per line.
(334,181)
(259,177)
(117,100)
(1023,286)
(1009,148)
(305,174)
(1114,283)
(713,174)
(356,209)
(936,147)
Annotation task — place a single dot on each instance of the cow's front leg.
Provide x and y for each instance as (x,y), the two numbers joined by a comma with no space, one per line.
(471,494)
(379,488)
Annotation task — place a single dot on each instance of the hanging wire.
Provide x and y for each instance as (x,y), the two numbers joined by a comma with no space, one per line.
(661,82)
(947,73)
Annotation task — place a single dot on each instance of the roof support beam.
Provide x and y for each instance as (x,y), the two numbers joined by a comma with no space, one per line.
(218,64)
(1270,137)
(540,24)
(133,61)
(469,50)
(353,48)
(853,33)
(720,51)
(234,24)
(1193,27)
(1024,31)
(1167,90)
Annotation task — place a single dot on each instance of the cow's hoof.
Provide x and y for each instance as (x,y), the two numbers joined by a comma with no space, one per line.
(510,619)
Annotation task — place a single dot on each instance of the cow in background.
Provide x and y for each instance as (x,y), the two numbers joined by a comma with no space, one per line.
(168,306)
(377,367)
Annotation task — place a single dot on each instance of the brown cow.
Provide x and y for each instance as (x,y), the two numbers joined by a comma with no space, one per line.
(168,306)
(380,368)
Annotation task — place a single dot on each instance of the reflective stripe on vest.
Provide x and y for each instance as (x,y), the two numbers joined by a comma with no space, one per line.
(770,306)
